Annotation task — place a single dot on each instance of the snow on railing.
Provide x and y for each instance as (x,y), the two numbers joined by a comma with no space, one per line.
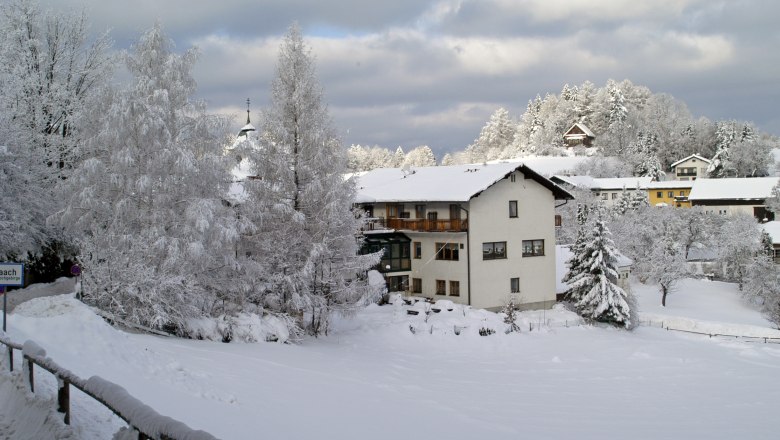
(142,419)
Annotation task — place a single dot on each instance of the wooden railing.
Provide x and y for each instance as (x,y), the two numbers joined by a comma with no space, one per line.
(420,225)
(146,421)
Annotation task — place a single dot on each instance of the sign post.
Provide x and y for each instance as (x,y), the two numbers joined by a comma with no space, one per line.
(11,274)
(75,270)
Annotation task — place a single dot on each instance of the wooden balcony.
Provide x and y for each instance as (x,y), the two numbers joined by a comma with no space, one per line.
(418,225)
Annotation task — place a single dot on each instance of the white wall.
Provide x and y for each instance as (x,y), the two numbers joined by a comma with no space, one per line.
(489,221)
(429,269)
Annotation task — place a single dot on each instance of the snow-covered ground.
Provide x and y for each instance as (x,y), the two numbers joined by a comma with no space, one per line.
(374,378)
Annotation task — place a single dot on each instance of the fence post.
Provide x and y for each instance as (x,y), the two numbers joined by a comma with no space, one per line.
(63,398)
(30,368)
(11,357)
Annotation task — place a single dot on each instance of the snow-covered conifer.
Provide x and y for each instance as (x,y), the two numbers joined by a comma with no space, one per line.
(304,250)
(575,263)
(601,299)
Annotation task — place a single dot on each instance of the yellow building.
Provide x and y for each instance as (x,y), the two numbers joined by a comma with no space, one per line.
(670,193)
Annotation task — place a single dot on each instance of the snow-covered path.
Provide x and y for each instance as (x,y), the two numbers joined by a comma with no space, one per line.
(373,378)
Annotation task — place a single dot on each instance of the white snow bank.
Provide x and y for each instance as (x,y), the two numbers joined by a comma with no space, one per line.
(24,415)
(141,415)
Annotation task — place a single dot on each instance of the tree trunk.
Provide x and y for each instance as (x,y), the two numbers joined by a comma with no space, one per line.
(664,291)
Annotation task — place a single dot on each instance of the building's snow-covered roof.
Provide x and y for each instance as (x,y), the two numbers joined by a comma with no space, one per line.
(547,165)
(582,127)
(671,184)
(701,158)
(562,255)
(755,188)
(608,183)
(773,229)
(455,183)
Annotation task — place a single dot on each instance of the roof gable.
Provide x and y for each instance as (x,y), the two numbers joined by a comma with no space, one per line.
(579,129)
(701,158)
(456,183)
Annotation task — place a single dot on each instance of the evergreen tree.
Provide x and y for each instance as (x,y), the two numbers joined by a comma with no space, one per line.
(575,263)
(601,299)
(158,242)
(304,251)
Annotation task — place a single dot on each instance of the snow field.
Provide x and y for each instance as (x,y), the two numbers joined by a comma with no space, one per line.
(373,378)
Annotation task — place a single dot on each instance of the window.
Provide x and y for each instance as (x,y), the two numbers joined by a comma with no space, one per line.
(417,250)
(659,194)
(604,196)
(394,210)
(494,250)
(682,193)
(514,285)
(614,196)
(416,285)
(433,216)
(558,220)
(513,208)
(447,251)
(454,288)
(406,214)
(512,177)
(670,194)
(419,211)
(533,248)
(441,287)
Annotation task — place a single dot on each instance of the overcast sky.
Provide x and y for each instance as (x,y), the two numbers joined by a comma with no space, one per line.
(413,72)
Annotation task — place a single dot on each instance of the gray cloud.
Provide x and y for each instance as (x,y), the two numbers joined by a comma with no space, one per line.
(410,72)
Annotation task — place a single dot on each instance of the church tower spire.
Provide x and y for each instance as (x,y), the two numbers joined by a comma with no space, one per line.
(248,127)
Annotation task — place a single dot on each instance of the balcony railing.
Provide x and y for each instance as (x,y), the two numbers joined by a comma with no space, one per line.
(419,225)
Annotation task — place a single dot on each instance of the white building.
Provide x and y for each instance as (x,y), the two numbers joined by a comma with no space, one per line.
(690,168)
(733,195)
(469,233)
(608,190)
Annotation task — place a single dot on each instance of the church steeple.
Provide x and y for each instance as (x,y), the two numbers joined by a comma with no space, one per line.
(248,127)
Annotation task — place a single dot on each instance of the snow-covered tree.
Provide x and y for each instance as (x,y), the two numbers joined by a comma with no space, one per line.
(511,313)
(739,241)
(304,251)
(773,202)
(575,264)
(158,242)
(667,264)
(762,286)
(49,74)
(643,153)
(398,157)
(421,156)
(494,138)
(601,299)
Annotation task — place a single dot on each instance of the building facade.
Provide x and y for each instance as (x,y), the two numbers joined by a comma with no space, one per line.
(670,193)
(473,234)
(690,168)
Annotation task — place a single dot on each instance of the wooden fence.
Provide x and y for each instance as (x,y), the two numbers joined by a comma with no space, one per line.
(140,417)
